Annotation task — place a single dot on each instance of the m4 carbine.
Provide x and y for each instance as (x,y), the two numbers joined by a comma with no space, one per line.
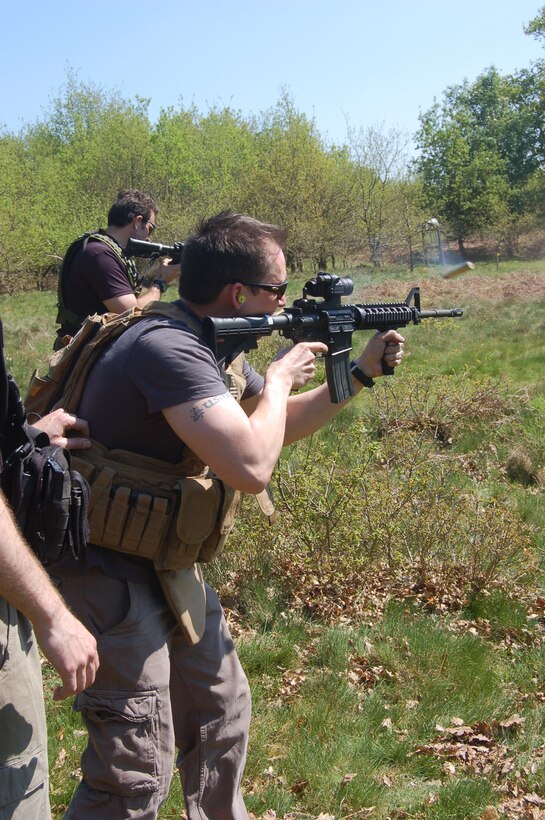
(153,250)
(327,321)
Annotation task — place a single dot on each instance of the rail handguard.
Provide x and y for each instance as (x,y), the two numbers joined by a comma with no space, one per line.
(327,321)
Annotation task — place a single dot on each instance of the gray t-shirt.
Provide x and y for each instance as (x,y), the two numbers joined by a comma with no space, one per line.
(156,363)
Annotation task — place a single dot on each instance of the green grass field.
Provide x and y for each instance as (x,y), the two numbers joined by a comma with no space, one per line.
(392,623)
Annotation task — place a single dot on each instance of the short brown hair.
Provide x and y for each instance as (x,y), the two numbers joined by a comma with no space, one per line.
(129,204)
(228,247)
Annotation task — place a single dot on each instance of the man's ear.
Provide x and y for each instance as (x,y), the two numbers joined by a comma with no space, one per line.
(236,296)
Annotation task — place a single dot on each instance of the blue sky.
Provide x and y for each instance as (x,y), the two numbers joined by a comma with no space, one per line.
(366,63)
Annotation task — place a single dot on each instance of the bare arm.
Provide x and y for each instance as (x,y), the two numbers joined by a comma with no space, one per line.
(243,450)
(309,411)
(25,584)
(117,304)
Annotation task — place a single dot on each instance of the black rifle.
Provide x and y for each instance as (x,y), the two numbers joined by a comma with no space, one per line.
(153,250)
(327,321)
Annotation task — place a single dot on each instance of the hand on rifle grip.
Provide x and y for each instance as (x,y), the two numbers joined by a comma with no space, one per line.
(386,369)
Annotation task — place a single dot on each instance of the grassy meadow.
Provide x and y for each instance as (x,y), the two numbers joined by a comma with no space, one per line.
(392,620)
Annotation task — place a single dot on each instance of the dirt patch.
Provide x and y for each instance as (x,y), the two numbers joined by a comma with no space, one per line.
(514,287)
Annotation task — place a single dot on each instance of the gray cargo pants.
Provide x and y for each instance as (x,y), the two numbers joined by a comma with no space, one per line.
(155,693)
(23,735)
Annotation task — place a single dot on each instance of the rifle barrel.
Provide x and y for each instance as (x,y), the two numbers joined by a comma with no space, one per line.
(441,314)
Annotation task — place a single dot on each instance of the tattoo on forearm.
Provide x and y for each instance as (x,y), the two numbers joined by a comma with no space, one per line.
(197,412)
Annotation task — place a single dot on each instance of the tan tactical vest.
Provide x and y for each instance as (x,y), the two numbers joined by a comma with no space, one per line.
(176,515)
(64,315)
(172,514)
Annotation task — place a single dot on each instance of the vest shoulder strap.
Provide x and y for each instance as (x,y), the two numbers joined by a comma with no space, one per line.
(64,314)
(70,366)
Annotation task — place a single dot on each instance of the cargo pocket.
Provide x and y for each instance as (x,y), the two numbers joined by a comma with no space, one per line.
(121,757)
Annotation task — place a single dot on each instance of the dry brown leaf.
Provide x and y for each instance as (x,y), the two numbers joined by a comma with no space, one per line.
(513,722)
(449,769)
(481,740)
(387,724)
(299,787)
(534,799)
(61,757)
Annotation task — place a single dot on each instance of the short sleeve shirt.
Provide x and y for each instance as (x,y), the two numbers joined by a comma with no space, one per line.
(153,365)
(96,274)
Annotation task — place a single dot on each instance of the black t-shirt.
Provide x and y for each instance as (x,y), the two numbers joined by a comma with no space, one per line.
(96,274)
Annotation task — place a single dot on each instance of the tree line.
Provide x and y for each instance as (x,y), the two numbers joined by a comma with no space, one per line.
(479,170)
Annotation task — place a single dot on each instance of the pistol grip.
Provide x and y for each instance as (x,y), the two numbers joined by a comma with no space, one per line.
(386,369)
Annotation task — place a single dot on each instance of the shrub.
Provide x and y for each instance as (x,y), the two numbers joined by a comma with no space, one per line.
(390,494)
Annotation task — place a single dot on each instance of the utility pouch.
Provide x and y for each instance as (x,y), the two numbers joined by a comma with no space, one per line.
(49,499)
(146,507)
(206,516)
(47,495)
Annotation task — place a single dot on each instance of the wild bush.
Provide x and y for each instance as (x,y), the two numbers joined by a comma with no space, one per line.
(442,407)
(390,493)
(519,466)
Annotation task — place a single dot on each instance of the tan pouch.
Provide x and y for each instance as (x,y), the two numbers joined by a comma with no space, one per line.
(205,518)
(215,542)
(127,519)
(143,507)
(134,500)
(185,593)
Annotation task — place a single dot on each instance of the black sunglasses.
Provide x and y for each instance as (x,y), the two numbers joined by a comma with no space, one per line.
(277,290)
(146,221)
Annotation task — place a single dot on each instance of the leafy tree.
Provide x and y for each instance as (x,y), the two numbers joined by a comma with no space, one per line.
(203,162)
(176,169)
(299,183)
(536,26)
(15,182)
(86,148)
(410,215)
(478,153)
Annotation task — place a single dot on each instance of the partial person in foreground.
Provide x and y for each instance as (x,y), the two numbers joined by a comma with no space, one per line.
(96,276)
(33,613)
(170,679)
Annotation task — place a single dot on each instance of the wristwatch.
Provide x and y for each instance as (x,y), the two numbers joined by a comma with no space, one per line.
(358,374)
(161,284)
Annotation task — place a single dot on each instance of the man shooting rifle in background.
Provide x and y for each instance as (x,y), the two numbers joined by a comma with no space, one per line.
(98,277)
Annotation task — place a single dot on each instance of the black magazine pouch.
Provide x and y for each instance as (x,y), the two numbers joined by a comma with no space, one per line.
(48,498)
